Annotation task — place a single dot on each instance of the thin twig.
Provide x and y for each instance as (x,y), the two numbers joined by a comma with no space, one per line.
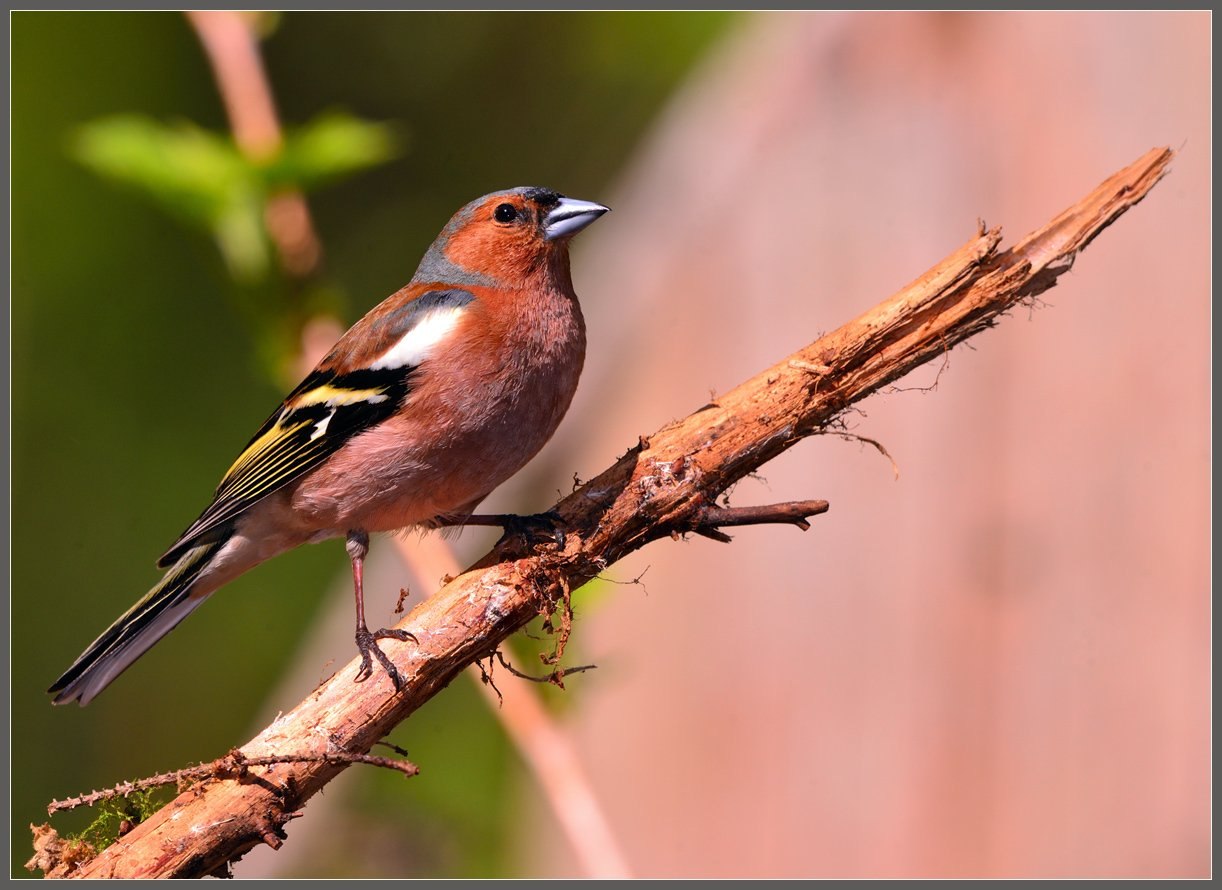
(232,766)
(790,513)
(877,445)
(555,678)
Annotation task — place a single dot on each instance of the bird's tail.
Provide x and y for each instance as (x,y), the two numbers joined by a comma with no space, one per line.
(137,629)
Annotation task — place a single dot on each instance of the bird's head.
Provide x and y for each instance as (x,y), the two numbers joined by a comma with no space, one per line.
(504,236)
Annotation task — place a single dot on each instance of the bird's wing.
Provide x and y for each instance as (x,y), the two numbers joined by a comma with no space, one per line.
(331,406)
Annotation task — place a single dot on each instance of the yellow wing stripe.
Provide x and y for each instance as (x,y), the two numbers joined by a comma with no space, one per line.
(334,396)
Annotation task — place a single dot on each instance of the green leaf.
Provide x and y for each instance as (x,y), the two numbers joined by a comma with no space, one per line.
(196,175)
(203,179)
(329,148)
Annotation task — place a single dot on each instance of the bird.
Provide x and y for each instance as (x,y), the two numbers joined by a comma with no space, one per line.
(438,395)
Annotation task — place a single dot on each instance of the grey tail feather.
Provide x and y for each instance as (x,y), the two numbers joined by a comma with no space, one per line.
(135,632)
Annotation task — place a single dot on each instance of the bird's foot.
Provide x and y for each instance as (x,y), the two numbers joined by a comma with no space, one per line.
(534,528)
(531,529)
(366,642)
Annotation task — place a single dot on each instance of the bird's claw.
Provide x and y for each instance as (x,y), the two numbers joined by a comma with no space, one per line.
(535,528)
(366,642)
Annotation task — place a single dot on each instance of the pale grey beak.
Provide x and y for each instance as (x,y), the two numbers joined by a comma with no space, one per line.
(569,217)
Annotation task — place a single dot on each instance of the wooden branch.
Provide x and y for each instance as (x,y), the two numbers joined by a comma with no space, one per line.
(659,487)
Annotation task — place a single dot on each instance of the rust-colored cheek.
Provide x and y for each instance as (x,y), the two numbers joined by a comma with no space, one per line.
(504,255)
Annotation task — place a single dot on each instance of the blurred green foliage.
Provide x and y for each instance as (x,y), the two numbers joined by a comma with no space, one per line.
(203,178)
(139,365)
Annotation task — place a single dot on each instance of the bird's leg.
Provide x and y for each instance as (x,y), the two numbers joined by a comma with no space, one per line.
(366,640)
(533,528)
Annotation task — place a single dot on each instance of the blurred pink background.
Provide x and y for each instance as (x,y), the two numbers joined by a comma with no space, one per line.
(1000,663)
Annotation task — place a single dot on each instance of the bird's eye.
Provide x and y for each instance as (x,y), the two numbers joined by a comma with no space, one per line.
(505,213)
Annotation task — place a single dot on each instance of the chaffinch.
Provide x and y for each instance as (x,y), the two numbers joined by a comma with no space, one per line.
(428,403)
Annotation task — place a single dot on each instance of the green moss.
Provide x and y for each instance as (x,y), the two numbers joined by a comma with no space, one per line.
(115,816)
